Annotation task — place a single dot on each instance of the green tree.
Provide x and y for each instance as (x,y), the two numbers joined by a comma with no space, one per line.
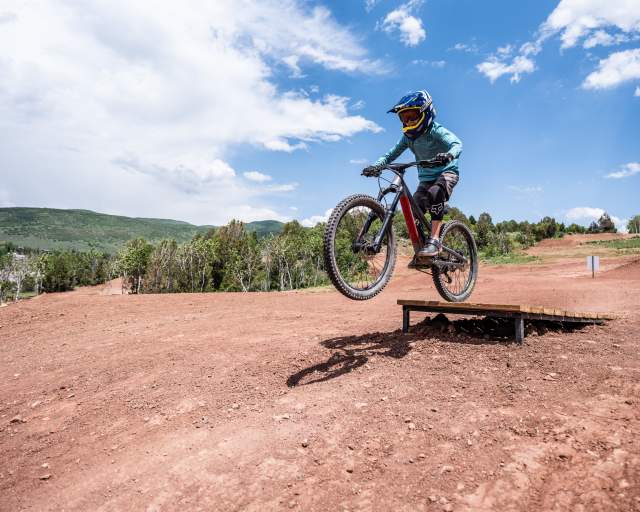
(484,230)
(456,214)
(633,226)
(605,224)
(399,225)
(132,262)
(7,289)
(546,228)
(238,257)
(161,272)
(58,271)
(576,228)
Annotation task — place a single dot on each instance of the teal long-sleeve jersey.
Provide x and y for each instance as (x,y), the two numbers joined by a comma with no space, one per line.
(427,146)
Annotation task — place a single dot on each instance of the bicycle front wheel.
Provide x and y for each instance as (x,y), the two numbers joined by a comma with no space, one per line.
(355,269)
(456,282)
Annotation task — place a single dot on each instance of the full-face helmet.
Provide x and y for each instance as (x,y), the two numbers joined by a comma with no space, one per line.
(416,111)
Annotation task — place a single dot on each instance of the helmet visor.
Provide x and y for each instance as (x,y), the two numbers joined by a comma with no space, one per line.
(410,116)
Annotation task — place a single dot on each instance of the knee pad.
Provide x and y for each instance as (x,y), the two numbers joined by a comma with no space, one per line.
(437,198)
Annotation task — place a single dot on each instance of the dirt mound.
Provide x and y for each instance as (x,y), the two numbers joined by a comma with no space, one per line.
(629,271)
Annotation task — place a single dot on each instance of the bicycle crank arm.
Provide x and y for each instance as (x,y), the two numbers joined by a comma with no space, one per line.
(446,265)
(455,254)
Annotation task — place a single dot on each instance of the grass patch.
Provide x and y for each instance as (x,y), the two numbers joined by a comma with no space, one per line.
(509,259)
(628,243)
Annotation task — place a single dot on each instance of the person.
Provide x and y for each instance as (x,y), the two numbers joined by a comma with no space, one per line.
(427,140)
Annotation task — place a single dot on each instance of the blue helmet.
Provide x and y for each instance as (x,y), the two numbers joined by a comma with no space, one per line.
(421,102)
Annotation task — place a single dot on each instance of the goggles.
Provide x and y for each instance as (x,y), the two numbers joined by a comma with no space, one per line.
(411,118)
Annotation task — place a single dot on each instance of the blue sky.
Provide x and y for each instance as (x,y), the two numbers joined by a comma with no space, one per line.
(233,109)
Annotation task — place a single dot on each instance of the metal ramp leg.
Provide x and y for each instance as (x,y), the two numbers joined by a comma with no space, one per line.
(405,319)
(519,329)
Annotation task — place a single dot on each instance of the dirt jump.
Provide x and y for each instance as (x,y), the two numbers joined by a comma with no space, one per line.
(309,401)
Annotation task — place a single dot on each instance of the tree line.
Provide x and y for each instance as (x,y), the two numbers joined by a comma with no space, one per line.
(232,259)
(225,259)
(25,271)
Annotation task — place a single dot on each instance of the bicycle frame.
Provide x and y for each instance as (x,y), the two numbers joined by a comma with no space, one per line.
(417,230)
(417,225)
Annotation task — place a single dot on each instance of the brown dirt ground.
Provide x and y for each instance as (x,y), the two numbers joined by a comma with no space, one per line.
(309,401)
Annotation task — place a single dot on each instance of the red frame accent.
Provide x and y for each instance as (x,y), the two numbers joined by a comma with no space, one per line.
(410,221)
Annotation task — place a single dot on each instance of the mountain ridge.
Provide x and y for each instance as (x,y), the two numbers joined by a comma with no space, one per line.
(81,229)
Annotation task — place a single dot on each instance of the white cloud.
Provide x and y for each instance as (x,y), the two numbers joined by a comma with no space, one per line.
(637,93)
(588,214)
(257,176)
(315,219)
(578,19)
(463,47)
(602,38)
(584,213)
(505,51)
(629,169)
(433,63)
(358,161)
(5,200)
(358,105)
(526,190)
(293,208)
(189,175)
(616,68)
(120,95)
(401,20)
(494,68)
(292,61)
(285,187)
(370,4)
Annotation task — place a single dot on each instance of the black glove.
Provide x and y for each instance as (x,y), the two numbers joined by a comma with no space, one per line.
(445,158)
(372,171)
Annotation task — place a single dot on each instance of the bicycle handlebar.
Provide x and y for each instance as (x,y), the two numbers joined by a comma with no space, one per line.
(434,162)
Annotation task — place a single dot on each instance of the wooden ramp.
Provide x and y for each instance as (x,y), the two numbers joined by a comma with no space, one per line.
(519,313)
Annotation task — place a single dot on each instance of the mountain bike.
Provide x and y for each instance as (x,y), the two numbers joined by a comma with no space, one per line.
(360,243)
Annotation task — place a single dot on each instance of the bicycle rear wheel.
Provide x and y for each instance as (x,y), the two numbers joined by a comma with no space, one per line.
(354,269)
(456,284)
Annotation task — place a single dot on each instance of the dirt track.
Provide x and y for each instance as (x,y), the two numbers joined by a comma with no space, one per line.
(308,401)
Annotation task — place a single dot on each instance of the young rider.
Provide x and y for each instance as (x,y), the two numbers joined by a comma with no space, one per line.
(427,140)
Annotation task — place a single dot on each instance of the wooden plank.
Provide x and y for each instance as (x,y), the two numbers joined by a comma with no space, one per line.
(531,311)
(461,305)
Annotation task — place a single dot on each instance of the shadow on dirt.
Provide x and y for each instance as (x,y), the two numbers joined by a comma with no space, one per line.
(352,352)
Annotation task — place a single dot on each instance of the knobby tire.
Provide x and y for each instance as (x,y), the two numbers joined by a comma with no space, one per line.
(439,276)
(331,265)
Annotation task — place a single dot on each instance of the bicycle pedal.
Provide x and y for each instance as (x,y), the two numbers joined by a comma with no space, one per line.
(423,260)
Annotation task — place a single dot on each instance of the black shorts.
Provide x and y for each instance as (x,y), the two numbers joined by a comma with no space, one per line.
(431,195)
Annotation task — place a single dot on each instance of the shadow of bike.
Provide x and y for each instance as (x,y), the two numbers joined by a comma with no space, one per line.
(353,352)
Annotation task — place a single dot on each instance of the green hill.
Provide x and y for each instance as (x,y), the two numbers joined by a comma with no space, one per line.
(48,228)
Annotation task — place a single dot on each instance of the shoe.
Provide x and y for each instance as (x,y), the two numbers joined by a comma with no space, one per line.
(412,263)
(432,248)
